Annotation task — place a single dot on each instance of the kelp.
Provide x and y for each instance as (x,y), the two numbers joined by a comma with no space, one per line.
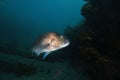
(96,43)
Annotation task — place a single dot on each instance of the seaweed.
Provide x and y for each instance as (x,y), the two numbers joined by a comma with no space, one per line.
(97,46)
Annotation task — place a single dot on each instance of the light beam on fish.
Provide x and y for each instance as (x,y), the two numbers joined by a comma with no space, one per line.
(49,42)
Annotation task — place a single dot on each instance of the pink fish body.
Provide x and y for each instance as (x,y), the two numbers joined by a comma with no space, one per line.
(49,42)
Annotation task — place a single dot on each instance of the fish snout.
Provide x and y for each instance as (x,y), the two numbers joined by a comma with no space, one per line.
(66,43)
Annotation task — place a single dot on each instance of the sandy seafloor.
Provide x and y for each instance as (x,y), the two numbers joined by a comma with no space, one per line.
(51,70)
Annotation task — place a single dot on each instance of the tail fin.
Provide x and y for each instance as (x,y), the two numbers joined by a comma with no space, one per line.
(37,52)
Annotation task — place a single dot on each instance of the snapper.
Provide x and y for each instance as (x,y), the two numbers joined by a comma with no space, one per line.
(49,42)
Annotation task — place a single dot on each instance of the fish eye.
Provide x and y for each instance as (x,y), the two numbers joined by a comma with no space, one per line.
(48,44)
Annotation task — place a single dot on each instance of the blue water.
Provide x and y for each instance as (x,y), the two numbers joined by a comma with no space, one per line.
(24,20)
(21,22)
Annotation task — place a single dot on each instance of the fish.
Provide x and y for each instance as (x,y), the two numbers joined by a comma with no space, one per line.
(49,42)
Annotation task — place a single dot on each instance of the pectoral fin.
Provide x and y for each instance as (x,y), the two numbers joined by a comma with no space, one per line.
(45,54)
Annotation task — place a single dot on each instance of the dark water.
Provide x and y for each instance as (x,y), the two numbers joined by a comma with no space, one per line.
(21,21)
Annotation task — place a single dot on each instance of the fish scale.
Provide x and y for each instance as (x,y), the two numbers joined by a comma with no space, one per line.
(49,42)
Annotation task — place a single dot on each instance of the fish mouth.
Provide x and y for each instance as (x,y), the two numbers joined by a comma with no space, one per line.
(66,43)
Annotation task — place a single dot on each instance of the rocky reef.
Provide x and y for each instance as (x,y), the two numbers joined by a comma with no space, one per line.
(19,69)
(96,42)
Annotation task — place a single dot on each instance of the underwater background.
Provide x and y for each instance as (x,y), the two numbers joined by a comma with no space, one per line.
(26,19)
(92,26)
